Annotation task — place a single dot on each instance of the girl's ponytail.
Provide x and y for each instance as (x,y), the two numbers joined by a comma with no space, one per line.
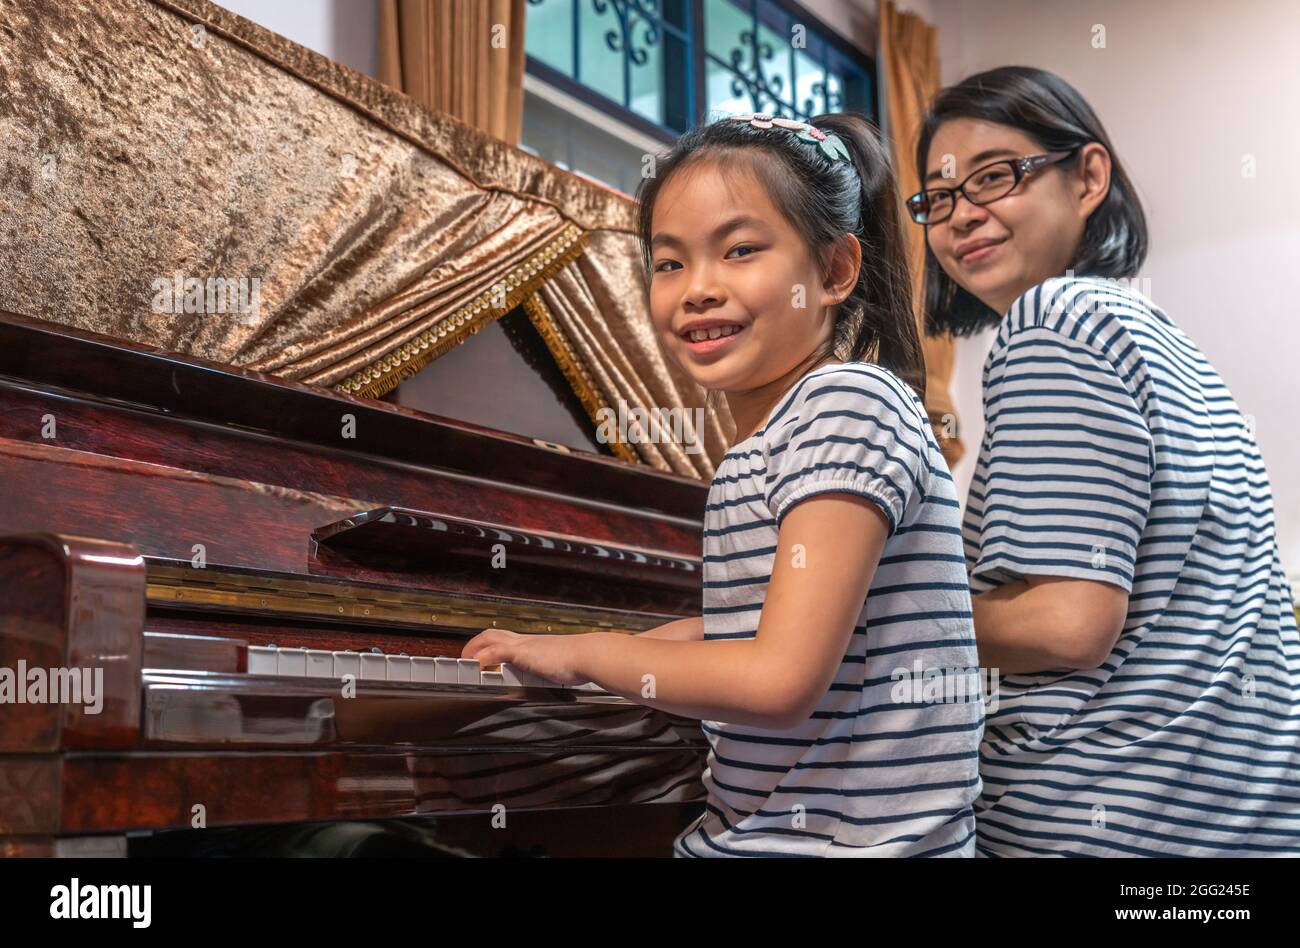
(879,322)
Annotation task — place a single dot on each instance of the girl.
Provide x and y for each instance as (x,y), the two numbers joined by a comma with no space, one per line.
(832,666)
(1119,527)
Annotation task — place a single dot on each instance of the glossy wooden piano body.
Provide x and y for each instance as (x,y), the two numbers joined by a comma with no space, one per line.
(162,515)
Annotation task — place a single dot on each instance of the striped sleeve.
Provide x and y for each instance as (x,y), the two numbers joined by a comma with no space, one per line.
(857,430)
(1067,486)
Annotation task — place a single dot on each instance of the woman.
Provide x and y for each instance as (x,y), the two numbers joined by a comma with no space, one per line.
(1119,529)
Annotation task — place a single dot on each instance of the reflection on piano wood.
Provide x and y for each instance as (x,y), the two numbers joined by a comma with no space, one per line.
(206,538)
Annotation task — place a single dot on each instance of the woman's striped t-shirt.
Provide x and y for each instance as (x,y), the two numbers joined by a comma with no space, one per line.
(1114,452)
(877,770)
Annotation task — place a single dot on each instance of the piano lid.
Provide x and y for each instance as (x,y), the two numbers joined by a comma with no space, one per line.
(186,459)
(49,356)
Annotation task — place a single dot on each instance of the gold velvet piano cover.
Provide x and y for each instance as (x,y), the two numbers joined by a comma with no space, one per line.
(164,153)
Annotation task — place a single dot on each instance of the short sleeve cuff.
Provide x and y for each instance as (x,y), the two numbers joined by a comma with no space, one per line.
(876,490)
(1000,567)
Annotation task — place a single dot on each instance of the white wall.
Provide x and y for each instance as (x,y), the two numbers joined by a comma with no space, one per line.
(857,20)
(1186,89)
(346,31)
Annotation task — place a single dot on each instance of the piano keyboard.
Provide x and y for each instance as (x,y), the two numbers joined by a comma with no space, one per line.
(375,665)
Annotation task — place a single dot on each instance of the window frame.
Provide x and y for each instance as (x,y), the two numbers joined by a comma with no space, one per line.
(700,56)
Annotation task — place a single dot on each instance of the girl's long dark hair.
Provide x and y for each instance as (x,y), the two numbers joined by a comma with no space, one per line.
(1049,110)
(823,199)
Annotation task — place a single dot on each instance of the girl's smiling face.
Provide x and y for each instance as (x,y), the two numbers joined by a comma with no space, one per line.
(724,258)
(997,251)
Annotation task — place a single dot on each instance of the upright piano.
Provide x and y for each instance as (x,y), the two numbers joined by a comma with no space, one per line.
(228,601)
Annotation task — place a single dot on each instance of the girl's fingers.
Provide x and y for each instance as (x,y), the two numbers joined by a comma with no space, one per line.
(490,647)
(477,643)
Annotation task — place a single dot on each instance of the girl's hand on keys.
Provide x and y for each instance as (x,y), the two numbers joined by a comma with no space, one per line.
(551,656)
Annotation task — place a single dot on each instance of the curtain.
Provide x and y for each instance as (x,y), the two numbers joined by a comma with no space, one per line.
(909,66)
(370,234)
(462,57)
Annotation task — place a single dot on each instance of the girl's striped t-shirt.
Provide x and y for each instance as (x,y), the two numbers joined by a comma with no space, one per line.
(883,767)
(1114,452)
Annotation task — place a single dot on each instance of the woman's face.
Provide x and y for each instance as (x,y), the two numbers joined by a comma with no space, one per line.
(997,251)
(723,256)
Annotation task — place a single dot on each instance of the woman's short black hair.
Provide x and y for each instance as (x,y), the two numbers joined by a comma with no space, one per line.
(1048,109)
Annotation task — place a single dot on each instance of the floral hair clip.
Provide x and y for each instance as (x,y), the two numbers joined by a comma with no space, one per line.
(830,145)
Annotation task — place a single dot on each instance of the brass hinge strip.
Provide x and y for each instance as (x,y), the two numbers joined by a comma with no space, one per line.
(185,588)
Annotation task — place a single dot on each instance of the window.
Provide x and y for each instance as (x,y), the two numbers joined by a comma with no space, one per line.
(609,81)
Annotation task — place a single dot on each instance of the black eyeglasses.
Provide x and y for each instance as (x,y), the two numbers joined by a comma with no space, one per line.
(984,185)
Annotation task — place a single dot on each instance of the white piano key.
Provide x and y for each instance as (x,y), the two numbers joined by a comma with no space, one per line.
(424,669)
(291,661)
(374,666)
(514,675)
(469,671)
(399,667)
(447,670)
(347,663)
(491,678)
(320,663)
(262,660)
